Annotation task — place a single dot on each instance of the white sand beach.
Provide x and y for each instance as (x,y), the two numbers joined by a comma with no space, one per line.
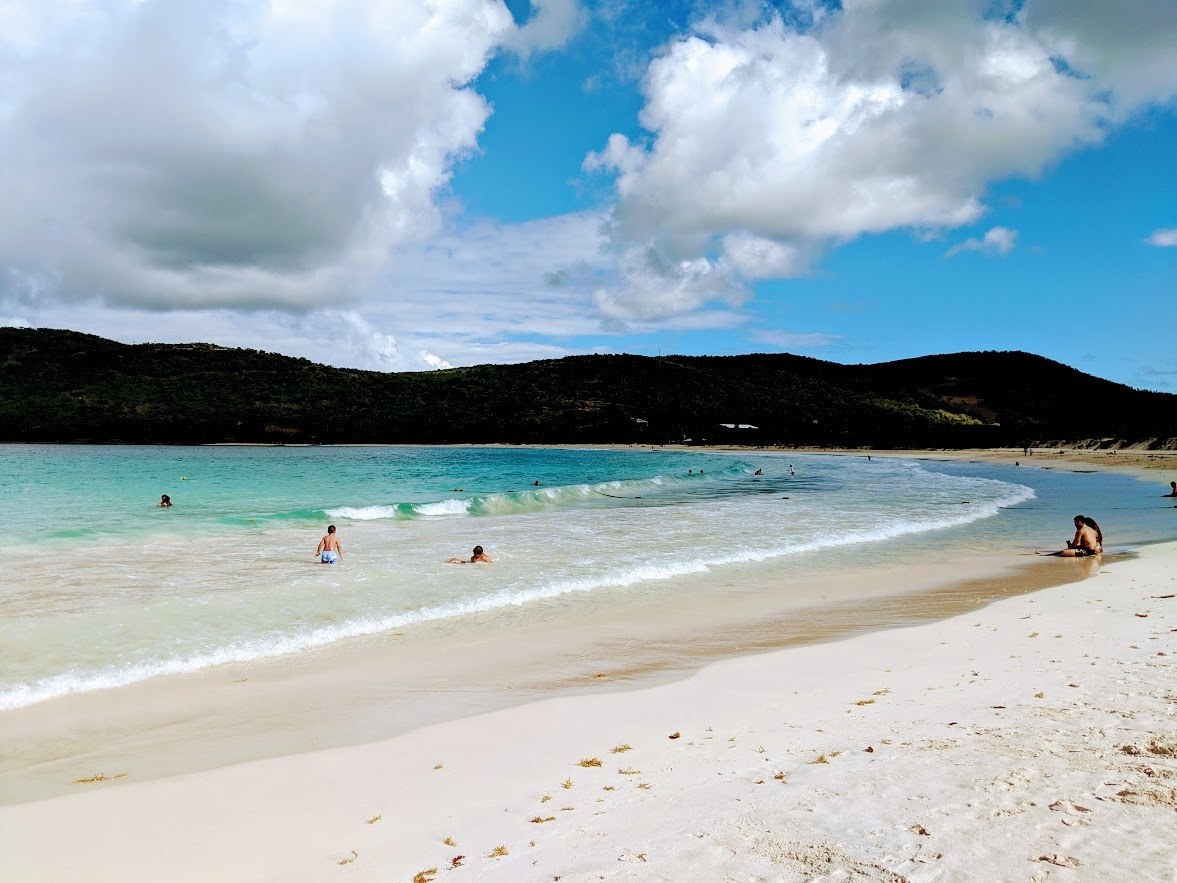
(1035,738)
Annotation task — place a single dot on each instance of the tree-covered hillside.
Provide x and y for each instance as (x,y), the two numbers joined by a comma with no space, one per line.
(62,386)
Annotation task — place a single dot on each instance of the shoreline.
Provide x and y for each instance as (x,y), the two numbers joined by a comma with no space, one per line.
(366,689)
(1032,738)
(1142,463)
(188,709)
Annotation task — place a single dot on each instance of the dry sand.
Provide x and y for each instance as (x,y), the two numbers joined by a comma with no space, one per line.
(1032,739)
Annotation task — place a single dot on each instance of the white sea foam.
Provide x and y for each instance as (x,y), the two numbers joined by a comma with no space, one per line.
(443,508)
(363,513)
(666,566)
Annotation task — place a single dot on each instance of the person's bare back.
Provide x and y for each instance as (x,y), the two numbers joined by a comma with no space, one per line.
(1088,539)
(329,550)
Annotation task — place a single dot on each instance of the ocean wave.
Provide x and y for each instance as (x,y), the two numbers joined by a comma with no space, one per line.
(533,499)
(280,644)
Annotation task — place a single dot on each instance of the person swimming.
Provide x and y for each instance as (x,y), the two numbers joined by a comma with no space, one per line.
(1088,540)
(165,501)
(329,550)
(1173,493)
(479,557)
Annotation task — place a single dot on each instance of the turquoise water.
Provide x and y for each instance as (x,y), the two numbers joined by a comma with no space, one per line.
(111,590)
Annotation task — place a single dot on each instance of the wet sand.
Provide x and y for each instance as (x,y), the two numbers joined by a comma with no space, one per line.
(382,686)
(1033,738)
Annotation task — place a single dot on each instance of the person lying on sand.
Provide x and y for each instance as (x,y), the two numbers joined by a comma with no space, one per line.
(1088,539)
(479,557)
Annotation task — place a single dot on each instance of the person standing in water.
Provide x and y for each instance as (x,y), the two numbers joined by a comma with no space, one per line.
(165,501)
(1173,492)
(329,550)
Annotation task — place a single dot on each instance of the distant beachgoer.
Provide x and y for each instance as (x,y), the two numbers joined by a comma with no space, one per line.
(536,483)
(1016,463)
(329,550)
(1172,493)
(165,501)
(479,557)
(758,472)
(1088,539)
(868,458)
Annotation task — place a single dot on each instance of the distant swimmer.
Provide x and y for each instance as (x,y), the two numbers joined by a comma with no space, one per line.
(165,501)
(758,472)
(329,550)
(1088,540)
(1173,492)
(479,557)
(536,483)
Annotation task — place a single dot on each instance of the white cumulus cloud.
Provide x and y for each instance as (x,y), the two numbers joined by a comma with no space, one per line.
(887,114)
(655,288)
(1163,238)
(245,153)
(795,340)
(998,240)
(551,25)
(755,257)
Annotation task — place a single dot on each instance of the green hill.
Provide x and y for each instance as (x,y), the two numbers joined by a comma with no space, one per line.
(62,386)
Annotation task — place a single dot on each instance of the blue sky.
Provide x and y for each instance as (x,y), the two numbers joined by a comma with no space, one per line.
(408,185)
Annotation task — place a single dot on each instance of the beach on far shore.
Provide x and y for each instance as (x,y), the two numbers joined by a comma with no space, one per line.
(992,719)
(1143,462)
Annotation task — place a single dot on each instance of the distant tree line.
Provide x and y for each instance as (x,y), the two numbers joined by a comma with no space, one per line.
(62,386)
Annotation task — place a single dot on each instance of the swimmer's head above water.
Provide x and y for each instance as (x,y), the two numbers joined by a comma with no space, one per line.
(475,558)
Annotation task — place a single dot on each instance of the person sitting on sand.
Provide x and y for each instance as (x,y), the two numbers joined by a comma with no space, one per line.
(329,550)
(165,501)
(479,557)
(1088,539)
(1173,493)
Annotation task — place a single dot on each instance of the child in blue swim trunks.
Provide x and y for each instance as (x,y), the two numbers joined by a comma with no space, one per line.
(329,550)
